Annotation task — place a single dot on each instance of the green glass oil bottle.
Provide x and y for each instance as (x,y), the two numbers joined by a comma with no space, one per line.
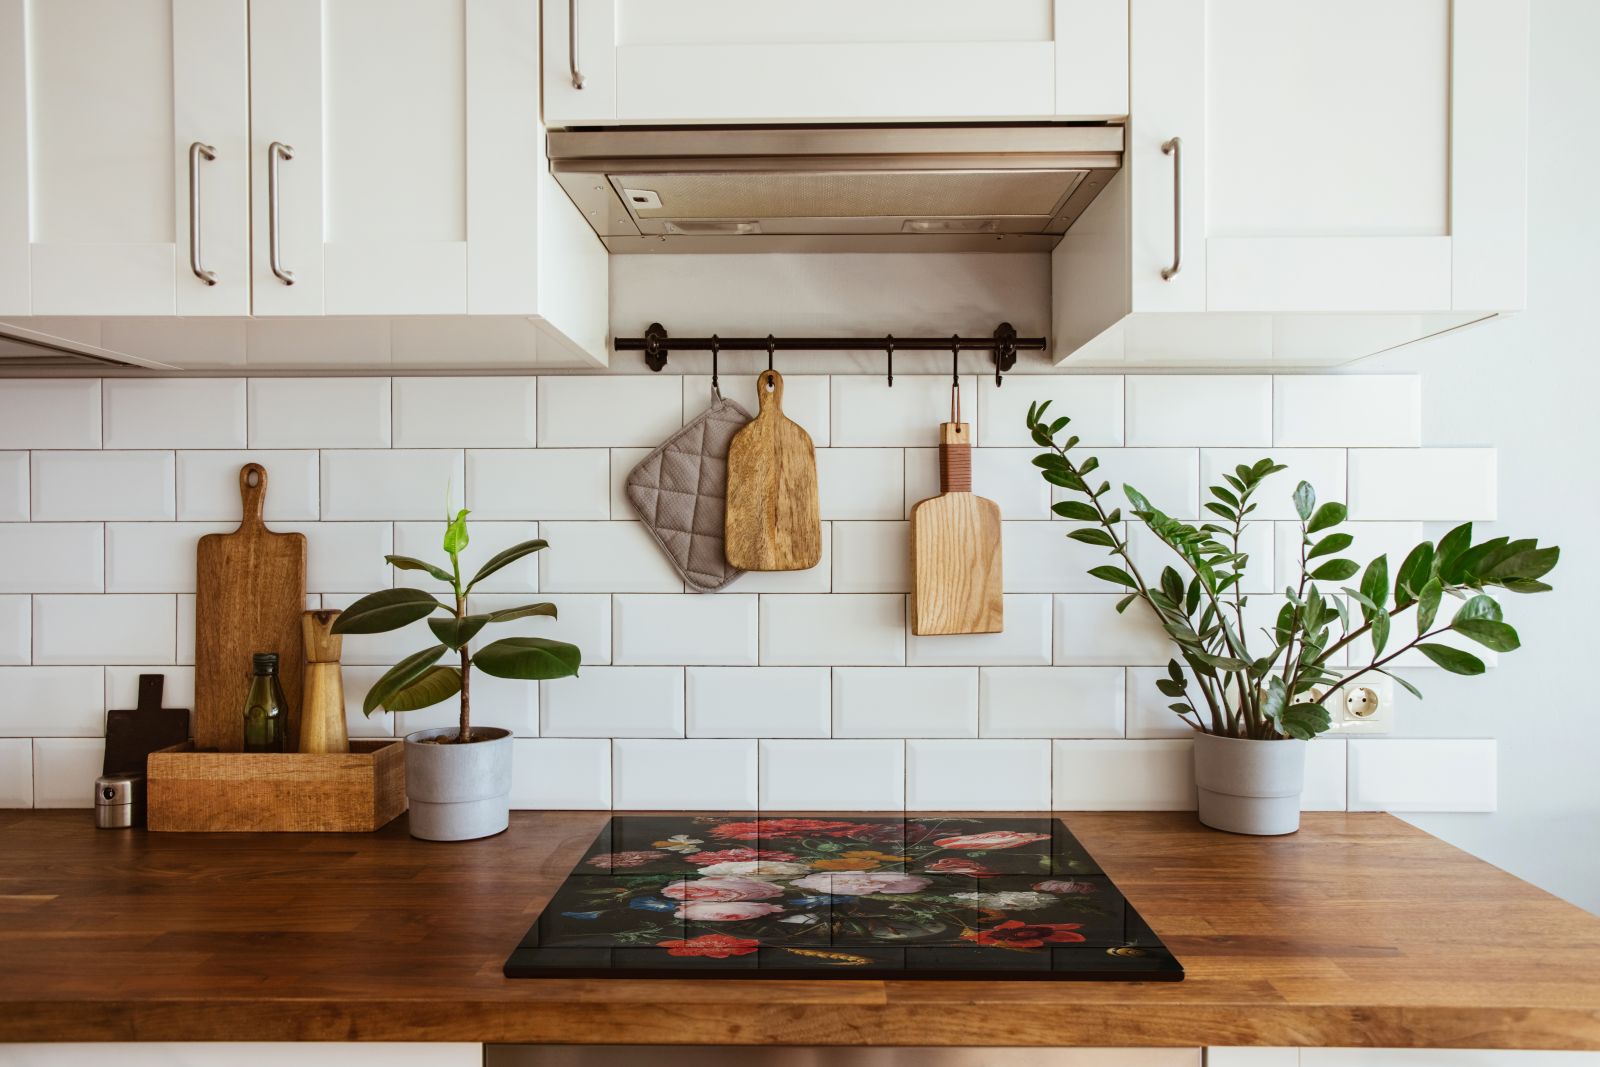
(266,713)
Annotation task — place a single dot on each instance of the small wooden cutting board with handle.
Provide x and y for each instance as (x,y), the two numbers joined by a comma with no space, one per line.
(955,549)
(772,517)
(250,591)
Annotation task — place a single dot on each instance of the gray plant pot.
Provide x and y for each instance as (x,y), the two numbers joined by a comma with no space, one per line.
(459,792)
(1249,787)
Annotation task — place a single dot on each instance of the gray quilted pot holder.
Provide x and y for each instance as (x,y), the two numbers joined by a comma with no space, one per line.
(681,491)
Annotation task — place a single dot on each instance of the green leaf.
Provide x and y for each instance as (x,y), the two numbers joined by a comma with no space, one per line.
(1330,514)
(1075,509)
(1335,570)
(1114,575)
(1328,545)
(1222,663)
(1275,699)
(1428,604)
(455,534)
(1092,535)
(1380,632)
(1525,585)
(1375,582)
(1172,584)
(407,563)
(400,676)
(1136,498)
(1225,496)
(1304,721)
(436,684)
(1490,634)
(1478,607)
(1453,544)
(1122,605)
(523,612)
(1414,572)
(1526,565)
(505,558)
(1407,686)
(1305,498)
(456,632)
(385,610)
(1452,659)
(529,658)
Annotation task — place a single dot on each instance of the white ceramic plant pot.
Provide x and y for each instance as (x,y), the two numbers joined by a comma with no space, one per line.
(459,792)
(1249,787)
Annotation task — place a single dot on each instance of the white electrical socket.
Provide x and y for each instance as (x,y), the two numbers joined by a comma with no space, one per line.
(1366,706)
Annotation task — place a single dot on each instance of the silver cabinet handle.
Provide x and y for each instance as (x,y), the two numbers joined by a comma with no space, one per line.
(197,152)
(1174,148)
(572,43)
(276,151)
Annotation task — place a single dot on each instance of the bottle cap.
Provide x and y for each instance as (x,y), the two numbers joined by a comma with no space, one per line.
(265,662)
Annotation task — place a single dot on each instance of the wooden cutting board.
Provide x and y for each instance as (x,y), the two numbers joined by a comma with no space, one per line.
(250,590)
(955,549)
(772,517)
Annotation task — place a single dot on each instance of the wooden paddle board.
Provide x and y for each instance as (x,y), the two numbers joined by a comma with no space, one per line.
(955,549)
(772,517)
(250,591)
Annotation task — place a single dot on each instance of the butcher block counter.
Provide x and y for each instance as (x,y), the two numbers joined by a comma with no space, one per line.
(1358,931)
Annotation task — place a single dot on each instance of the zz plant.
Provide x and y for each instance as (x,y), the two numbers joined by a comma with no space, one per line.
(419,680)
(1266,686)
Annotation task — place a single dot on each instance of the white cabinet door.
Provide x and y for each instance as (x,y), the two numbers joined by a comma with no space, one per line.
(99,105)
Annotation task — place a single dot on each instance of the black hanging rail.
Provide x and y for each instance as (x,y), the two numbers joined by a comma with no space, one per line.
(1004,343)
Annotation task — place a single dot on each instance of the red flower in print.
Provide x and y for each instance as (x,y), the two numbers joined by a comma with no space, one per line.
(992,840)
(717,946)
(625,859)
(737,855)
(738,831)
(957,865)
(1014,933)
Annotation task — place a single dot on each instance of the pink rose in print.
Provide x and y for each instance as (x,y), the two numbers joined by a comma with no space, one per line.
(720,889)
(862,883)
(738,855)
(718,911)
(625,859)
(992,840)
(957,865)
(1066,887)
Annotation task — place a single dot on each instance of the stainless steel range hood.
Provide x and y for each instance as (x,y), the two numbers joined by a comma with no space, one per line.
(1010,188)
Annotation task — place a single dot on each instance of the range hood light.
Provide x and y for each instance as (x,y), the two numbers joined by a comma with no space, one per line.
(948,226)
(711,227)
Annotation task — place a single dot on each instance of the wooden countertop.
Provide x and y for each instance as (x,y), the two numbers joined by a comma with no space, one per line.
(1358,930)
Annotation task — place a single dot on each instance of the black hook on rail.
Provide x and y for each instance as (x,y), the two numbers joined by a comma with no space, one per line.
(1005,350)
(716,350)
(889,348)
(772,346)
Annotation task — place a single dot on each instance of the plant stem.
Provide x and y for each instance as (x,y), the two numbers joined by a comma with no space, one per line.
(464,732)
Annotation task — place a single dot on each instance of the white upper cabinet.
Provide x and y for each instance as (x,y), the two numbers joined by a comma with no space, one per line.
(1304,183)
(732,61)
(123,179)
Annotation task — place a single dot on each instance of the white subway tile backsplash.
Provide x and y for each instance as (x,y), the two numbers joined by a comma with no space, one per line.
(1439,484)
(758,701)
(604,557)
(1124,775)
(1050,702)
(1089,631)
(861,483)
(16,772)
(1347,410)
(693,774)
(866,412)
(1415,774)
(561,773)
(1024,641)
(208,485)
(154,557)
(1168,477)
(385,484)
(122,686)
(582,619)
(13,487)
(135,628)
(1093,402)
(1324,468)
(425,541)
(1149,712)
(358,681)
(345,557)
(871,557)
(50,413)
(689,628)
(185,627)
(623,460)
(319,412)
(63,557)
(97,486)
(175,413)
(1005,475)
(619,410)
(833,629)
(464,412)
(988,775)
(1325,775)
(545,483)
(833,775)
(613,702)
(1039,557)
(52,702)
(64,770)
(16,629)
(1199,409)
(805,399)
(905,702)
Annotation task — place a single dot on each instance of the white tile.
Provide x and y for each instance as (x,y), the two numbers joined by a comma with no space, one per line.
(684,775)
(833,629)
(805,399)
(623,460)
(605,411)
(16,630)
(545,483)
(1092,401)
(122,686)
(613,702)
(154,557)
(1050,702)
(358,681)
(1089,631)
(345,557)
(464,412)
(1199,409)
(1347,410)
(13,487)
(868,412)
(833,775)
(561,773)
(50,413)
(319,412)
(871,557)
(1039,557)
(1324,468)
(1372,539)
(758,702)
(978,775)
(604,557)
(1149,713)
(1325,775)
(1124,775)
(582,619)
(398,484)
(378,650)
(1455,774)
(905,702)
(690,628)
(861,483)
(52,702)
(1168,477)
(185,627)
(1151,556)
(208,485)
(425,541)
(138,628)
(64,770)
(63,557)
(16,773)
(1440,484)
(818,579)
(174,413)
(1024,641)
(97,486)
(1005,475)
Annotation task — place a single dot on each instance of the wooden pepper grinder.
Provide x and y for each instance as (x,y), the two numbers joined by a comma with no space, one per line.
(322,727)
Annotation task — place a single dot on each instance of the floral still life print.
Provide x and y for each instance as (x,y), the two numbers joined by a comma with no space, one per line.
(784,897)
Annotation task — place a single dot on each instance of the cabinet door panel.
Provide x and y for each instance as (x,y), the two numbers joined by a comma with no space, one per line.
(589,51)
(1328,273)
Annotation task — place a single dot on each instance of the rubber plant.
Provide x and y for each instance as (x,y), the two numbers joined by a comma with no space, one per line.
(420,680)
(1267,685)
